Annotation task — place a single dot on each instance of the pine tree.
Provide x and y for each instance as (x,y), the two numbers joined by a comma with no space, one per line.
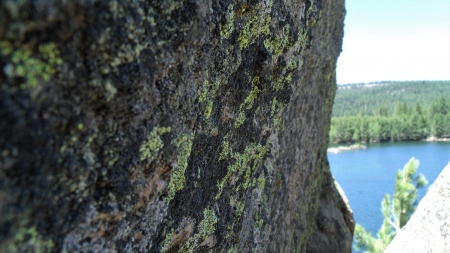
(381,111)
(438,125)
(396,209)
(374,130)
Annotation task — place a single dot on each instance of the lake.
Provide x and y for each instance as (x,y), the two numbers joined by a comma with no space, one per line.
(366,175)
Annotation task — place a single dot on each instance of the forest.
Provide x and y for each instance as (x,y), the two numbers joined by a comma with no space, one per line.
(401,111)
(351,99)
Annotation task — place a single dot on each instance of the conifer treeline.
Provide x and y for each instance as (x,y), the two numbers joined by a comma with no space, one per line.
(351,99)
(404,123)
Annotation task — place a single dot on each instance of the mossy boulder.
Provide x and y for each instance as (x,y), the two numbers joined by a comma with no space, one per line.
(167,126)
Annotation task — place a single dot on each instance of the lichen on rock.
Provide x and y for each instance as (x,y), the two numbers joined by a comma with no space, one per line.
(166,126)
(149,150)
(177,179)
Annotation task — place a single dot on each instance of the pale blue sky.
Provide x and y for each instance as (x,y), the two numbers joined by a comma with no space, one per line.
(395,40)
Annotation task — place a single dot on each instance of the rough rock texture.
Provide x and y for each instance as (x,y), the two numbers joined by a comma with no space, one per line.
(428,230)
(329,231)
(168,126)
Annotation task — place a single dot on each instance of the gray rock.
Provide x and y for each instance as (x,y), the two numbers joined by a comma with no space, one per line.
(168,126)
(334,222)
(428,230)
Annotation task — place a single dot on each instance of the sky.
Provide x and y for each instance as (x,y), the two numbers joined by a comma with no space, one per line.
(395,40)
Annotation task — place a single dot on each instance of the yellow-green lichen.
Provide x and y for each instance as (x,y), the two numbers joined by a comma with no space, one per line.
(206,93)
(252,96)
(167,241)
(275,113)
(239,119)
(227,29)
(62,149)
(208,108)
(110,91)
(240,205)
(110,156)
(149,149)
(261,183)
(253,28)
(282,82)
(311,21)
(134,39)
(225,148)
(203,91)
(258,220)
(244,164)
(177,178)
(330,75)
(206,228)
(6,48)
(30,66)
(278,44)
(292,65)
(233,249)
(248,103)
(302,40)
(207,225)
(169,6)
(28,240)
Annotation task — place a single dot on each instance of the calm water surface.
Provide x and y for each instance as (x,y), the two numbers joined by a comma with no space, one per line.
(367,174)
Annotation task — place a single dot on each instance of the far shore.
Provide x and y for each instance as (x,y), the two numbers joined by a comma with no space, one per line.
(346,148)
(361,146)
(432,138)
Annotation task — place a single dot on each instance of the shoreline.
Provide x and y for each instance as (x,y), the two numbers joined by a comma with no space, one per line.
(432,138)
(346,148)
(358,146)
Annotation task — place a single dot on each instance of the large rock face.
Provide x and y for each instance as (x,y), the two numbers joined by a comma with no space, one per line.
(428,230)
(168,126)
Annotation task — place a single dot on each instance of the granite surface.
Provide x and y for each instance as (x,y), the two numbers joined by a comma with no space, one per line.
(428,230)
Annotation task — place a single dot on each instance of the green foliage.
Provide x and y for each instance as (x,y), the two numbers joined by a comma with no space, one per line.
(396,209)
(365,240)
(402,123)
(405,196)
(351,99)
(381,111)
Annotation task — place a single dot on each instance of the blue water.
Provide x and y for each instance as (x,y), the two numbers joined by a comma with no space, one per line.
(366,175)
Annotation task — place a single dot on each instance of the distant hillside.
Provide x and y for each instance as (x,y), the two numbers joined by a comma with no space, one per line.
(351,99)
